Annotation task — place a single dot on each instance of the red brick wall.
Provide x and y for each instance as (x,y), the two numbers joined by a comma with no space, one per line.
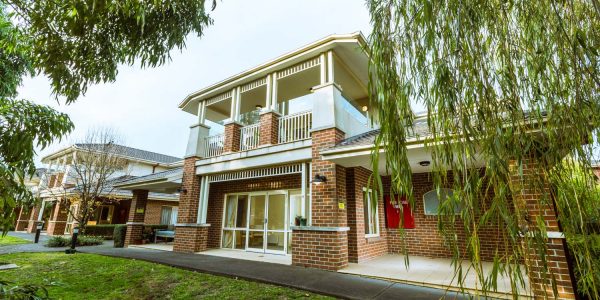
(361,248)
(232,138)
(23,218)
(527,195)
(269,129)
(185,241)
(154,210)
(190,239)
(320,249)
(136,215)
(58,219)
(325,196)
(424,239)
(218,190)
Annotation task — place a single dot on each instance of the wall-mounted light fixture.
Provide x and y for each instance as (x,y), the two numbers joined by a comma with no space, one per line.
(181,191)
(365,108)
(258,107)
(319,179)
(424,163)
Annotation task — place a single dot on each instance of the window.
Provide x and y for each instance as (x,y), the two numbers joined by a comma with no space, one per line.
(104,214)
(168,215)
(433,198)
(371,213)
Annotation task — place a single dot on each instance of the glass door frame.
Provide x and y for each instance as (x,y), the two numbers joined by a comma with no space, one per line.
(265,230)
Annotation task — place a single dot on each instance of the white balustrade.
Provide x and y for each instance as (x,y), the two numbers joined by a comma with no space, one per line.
(213,145)
(295,127)
(249,136)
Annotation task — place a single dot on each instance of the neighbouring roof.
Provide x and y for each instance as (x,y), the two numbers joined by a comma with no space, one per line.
(128,152)
(420,129)
(152,177)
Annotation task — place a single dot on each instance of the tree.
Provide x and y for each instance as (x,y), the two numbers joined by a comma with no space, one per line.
(502,81)
(98,161)
(75,44)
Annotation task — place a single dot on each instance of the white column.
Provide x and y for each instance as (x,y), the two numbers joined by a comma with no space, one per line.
(238,96)
(233,104)
(323,65)
(273,104)
(201,112)
(330,66)
(203,201)
(41,213)
(268,98)
(304,199)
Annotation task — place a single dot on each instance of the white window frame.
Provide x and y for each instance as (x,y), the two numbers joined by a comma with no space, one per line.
(367,210)
(446,191)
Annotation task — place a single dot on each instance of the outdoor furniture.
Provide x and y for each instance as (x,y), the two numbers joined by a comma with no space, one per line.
(166,234)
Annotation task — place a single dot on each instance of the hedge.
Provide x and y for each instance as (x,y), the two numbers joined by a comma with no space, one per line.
(59,241)
(104,230)
(119,235)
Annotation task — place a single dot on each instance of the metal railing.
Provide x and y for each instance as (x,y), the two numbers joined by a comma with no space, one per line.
(249,137)
(295,127)
(213,145)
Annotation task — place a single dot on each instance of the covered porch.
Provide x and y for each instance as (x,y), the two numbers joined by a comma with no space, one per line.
(431,272)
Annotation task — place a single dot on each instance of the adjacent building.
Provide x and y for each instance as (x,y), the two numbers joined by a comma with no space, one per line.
(61,179)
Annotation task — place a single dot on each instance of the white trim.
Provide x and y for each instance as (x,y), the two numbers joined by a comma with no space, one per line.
(255,173)
(367,211)
(254,84)
(218,98)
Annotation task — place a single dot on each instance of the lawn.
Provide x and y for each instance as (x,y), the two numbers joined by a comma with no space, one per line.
(89,276)
(8,240)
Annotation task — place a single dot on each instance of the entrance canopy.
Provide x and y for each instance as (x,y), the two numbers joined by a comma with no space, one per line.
(356,151)
(162,182)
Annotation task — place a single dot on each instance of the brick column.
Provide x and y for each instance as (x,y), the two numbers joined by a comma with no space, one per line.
(58,219)
(269,128)
(324,244)
(190,236)
(527,197)
(232,137)
(135,222)
(23,218)
(33,216)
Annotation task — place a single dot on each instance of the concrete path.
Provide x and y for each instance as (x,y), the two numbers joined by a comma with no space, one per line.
(318,281)
(32,247)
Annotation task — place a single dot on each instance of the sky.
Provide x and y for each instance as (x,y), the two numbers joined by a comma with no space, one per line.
(142,104)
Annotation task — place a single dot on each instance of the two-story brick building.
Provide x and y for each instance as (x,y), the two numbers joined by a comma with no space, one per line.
(279,163)
(61,180)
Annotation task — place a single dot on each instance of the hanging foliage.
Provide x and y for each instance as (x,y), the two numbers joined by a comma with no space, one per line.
(511,90)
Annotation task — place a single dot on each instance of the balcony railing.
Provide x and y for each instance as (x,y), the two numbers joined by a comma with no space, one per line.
(249,137)
(295,127)
(213,145)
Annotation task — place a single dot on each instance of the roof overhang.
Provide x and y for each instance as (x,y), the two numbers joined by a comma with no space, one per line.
(166,184)
(336,41)
(70,149)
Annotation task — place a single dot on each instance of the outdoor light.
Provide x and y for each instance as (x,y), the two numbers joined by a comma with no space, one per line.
(182,191)
(319,179)
(424,163)
(258,106)
(73,241)
(365,108)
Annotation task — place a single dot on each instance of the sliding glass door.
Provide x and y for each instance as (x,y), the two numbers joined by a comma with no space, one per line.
(256,222)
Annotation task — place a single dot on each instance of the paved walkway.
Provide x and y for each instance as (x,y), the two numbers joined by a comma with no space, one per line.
(32,247)
(317,281)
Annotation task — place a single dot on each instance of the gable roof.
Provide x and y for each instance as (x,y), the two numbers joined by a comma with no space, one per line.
(133,153)
(126,152)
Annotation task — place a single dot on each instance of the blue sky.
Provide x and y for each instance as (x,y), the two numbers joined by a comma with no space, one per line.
(142,103)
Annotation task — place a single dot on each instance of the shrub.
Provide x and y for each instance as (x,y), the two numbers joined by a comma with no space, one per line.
(59,241)
(119,235)
(104,230)
(148,231)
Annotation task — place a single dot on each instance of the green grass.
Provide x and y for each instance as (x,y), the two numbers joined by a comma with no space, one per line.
(8,240)
(90,276)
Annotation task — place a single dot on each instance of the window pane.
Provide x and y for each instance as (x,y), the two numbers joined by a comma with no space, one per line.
(275,241)
(165,215)
(227,239)
(276,218)
(366,212)
(240,239)
(373,213)
(255,239)
(229,211)
(242,212)
(257,212)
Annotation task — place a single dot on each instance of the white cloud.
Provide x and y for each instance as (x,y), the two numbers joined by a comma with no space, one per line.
(142,104)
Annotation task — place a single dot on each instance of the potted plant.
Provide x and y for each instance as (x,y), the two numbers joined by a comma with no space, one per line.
(297,220)
(302,221)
